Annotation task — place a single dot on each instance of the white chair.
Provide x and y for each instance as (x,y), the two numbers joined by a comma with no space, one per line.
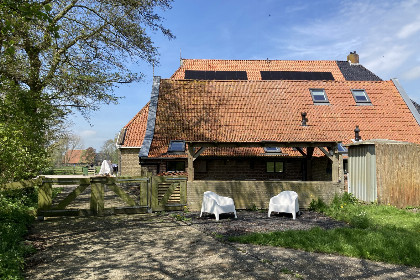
(286,201)
(216,204)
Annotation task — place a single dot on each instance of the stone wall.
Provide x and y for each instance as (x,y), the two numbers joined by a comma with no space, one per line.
(246,194)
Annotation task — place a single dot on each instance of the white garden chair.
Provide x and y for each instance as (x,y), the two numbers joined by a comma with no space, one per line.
(216,204)
(284,202)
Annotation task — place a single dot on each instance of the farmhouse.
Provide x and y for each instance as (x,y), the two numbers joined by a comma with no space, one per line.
(263,120)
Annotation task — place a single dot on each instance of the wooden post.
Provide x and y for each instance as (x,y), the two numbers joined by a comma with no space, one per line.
(335,165)
(97,203)
(309,153)
(341,170)
(190,169)
(45,196)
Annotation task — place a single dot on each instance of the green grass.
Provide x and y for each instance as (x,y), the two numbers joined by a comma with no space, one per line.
(376,232)
(17,212)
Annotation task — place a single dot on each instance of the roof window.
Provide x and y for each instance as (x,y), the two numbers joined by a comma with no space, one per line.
(360,96)
(272,150)
(319,96)
(176,146)
(342,149)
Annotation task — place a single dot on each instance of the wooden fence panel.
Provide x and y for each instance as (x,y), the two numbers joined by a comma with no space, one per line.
(398,174)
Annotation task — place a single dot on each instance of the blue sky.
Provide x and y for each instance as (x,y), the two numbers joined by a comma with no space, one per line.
(385,34)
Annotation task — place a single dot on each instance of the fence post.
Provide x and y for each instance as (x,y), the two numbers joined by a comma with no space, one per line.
(45,195)
(97,203)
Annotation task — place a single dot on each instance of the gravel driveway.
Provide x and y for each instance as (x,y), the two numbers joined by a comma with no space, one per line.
(153,246)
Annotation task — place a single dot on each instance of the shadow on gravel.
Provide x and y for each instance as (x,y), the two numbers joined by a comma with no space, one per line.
(159,247)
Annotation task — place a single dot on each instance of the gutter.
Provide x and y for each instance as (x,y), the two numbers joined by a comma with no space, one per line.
(407,100)
(151,119)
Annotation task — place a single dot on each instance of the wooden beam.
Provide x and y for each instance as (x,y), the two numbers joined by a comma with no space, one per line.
(261,144)
(202,149)
(190,169)
(299,149)
(327,153)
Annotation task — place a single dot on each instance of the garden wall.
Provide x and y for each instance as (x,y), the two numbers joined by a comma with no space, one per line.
(248,194)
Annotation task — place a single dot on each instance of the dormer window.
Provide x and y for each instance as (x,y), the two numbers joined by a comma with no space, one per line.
(177,146)
(319,96)
(272,150)
(360,96)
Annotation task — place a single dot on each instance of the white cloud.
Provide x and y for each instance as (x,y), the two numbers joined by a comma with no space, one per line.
(87,133)
(412,74)
(409,29)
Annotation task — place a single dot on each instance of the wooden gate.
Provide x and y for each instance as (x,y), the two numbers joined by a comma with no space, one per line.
(155,193)
(168,193)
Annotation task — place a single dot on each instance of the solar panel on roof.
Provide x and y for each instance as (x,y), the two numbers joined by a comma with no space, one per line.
(215,75)
(296,75)
(210,75)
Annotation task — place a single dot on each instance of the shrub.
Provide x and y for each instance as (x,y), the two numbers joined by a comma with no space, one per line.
(17,208)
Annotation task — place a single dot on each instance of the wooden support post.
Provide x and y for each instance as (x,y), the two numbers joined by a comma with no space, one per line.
(190,169)
(341,166)
(45,196)
(97,203)
(335,165)
(309,153)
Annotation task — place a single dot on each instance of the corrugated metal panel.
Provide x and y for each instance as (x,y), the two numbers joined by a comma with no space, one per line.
(362,172)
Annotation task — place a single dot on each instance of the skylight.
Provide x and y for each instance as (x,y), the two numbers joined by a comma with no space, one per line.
(360,96)
(176,146)
(272,150)
(319,95)
(342,149)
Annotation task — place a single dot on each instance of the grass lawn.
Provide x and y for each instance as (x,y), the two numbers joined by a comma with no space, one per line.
(376,232)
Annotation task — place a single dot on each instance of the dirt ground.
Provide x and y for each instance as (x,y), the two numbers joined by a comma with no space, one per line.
(153,246)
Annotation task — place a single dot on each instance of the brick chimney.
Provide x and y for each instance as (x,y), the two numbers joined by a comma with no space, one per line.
(353,58)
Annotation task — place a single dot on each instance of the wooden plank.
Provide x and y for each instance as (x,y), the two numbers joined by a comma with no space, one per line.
(183,192)
(190,168)
(123,195)
(67,181)
(199,152)
(330,157)
(72,196)
(168,193)
(21,184)
(97,203)
(261,144)
(45,196)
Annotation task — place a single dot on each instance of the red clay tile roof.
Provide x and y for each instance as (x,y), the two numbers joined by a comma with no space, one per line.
(136,128)
(253,67)
(253,111)
(74,157)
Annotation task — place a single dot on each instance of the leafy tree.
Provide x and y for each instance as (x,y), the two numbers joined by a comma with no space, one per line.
(62,148)
(61,55)
(88,155)
(109,151)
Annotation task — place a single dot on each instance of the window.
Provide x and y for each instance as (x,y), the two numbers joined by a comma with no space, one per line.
(176,146)
(272,150)
(342,149)
(175,166)
(319,96)
(360,96)
(274,166)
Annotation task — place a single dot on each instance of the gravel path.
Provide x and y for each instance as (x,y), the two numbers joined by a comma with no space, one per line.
(160,247)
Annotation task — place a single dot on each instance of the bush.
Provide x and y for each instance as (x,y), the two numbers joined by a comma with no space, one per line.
(17,208)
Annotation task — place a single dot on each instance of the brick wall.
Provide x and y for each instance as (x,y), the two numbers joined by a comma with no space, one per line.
(321,169)
(242,168)
(129,162)
(245,169)
(258,193)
